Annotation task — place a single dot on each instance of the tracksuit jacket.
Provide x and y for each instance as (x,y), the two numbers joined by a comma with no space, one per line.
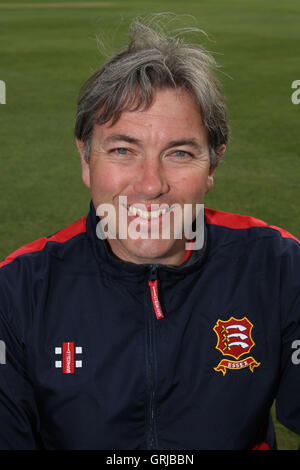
(98,353)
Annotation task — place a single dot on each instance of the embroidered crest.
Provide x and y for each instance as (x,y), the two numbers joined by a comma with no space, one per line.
(235,340)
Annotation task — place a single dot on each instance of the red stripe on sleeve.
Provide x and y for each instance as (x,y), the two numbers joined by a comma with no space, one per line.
(59,237)
(237,221)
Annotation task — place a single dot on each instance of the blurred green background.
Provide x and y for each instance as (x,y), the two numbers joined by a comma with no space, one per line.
(48,49)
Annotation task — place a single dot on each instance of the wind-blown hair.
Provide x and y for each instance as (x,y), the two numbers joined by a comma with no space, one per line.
(152,60)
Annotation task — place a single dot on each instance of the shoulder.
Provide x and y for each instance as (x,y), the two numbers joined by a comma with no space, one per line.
(43,244)
(250,240)
(247,227)
(25,273)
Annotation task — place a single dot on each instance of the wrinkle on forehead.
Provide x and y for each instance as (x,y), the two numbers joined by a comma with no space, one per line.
(169,96)
(171,116)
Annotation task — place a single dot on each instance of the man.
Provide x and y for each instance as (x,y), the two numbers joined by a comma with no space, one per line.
(132,342)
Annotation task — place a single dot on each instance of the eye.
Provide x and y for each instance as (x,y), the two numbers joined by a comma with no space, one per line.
(182,154)
(120,151)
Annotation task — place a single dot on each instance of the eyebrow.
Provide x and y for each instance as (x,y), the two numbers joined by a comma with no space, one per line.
(173,143)
(121,137)
(191,142)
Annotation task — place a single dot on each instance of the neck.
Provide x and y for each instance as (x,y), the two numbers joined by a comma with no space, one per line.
(175,256)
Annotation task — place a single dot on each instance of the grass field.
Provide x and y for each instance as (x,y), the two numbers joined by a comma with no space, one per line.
(48,49)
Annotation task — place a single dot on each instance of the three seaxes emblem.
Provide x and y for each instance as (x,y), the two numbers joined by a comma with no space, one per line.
(235,340)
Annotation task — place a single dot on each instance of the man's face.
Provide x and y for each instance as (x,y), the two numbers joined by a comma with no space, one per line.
(157,156)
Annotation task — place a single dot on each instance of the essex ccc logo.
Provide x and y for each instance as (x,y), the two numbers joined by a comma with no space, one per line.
(235,340)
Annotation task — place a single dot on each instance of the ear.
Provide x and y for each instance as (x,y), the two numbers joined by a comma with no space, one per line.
(85,167)
(209,183)
(210,179)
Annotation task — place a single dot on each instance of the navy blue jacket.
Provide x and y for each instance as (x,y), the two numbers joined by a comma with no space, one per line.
(98,353)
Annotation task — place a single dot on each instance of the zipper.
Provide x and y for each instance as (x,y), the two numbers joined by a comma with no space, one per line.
(152,282)
(152,384)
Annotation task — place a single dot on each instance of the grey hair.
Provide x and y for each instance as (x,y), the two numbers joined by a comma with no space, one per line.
(151,61)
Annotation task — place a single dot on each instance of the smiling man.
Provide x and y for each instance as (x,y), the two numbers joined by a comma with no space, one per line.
(158,157)
(137,340)
(151,126)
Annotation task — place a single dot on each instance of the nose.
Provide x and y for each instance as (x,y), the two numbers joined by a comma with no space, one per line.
(151,181)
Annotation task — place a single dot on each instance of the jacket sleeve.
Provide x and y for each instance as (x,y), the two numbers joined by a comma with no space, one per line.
(288,394)
(18,412)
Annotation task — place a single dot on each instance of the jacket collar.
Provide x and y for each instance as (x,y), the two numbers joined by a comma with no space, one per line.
(118,268)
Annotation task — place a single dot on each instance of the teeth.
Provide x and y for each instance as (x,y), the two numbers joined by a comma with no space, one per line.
(146,214)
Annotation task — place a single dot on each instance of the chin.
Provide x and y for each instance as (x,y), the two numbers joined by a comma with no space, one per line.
(150,251)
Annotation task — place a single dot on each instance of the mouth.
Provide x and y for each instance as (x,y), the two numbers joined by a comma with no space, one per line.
(154,221)
(147,214)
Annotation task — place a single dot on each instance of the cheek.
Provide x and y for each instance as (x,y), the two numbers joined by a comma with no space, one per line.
(107,181)
(192,188)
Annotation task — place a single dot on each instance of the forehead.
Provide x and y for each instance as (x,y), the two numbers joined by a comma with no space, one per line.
(173,113)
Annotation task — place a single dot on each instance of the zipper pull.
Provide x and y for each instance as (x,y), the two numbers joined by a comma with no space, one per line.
(152,282)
